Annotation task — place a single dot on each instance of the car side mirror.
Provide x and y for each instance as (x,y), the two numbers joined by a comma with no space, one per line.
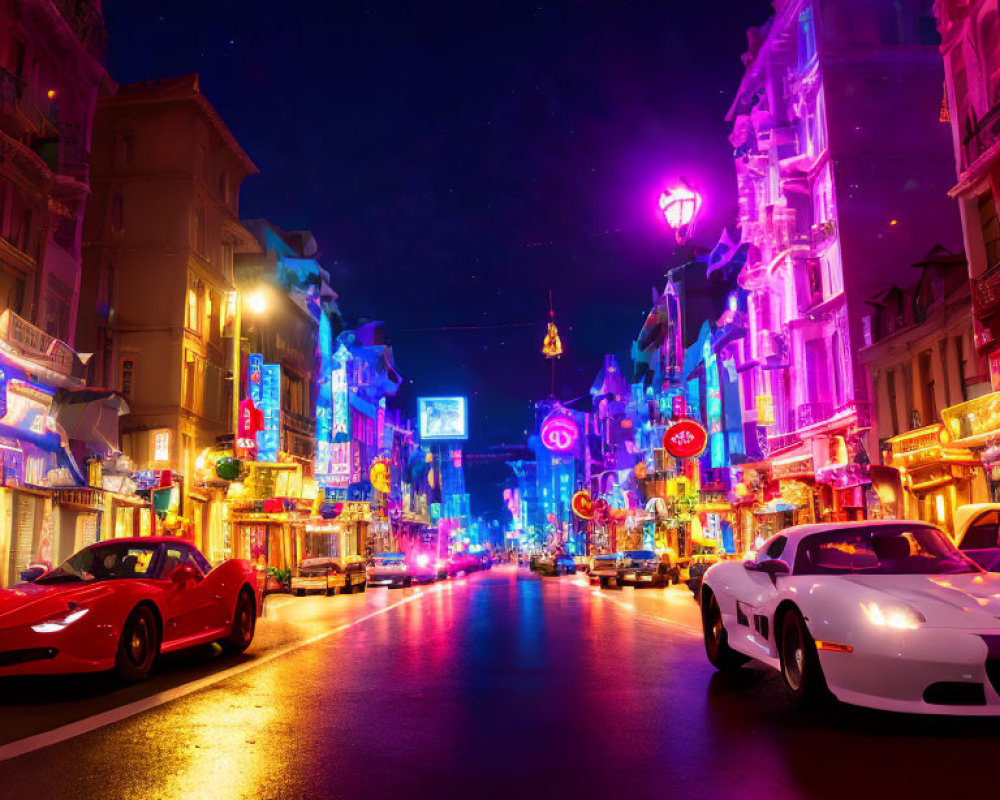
(183,574)
(772,567)
(32,574)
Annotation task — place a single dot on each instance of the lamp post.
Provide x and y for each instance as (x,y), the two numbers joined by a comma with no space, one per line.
(257,304)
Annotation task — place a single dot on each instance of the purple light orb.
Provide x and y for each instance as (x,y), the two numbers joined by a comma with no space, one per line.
(679,206)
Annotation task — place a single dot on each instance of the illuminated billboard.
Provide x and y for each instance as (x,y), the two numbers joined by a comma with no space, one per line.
(443,418)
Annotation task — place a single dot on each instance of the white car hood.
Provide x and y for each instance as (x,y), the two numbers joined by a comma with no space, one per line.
(963,601)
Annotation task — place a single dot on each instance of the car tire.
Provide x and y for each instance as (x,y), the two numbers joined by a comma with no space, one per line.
(363,587)
(720,654)
(244,624)
(300,592)
(331,592)
(800,668)
(408,583)
(138,646)
(604,582)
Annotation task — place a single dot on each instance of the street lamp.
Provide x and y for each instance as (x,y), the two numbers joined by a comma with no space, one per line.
(257,304)
(680,206)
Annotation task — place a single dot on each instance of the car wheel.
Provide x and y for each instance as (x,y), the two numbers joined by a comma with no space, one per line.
(330,592)
(675,576)
(244,624)
(800,667)
(717,648)
(408,583)
(138,646)
(363,586)
(604,583)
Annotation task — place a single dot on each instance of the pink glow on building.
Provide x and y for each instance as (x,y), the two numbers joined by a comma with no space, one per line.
(842,171)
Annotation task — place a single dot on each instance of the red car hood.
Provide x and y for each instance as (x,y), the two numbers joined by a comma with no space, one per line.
(32,601)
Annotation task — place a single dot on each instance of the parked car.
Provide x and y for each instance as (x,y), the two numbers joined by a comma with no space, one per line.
(423,567)
(604,569)
(389,569)
(646,568)
(556,565)
(696,572)
(117,605)
(977,534)
(884,614)
(459,563)
(329,575)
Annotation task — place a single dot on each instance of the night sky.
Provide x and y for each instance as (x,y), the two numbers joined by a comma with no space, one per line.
(456,160)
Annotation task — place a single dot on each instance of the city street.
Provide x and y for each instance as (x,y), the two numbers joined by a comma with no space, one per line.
(500,684)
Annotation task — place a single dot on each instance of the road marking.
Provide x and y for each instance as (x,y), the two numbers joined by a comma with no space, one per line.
(73,729)
(680,626)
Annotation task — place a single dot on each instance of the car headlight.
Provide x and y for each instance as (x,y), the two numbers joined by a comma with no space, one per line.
(56,624)
(900,617)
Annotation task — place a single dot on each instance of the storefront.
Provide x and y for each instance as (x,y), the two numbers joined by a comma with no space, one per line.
(975,426)
(937,475)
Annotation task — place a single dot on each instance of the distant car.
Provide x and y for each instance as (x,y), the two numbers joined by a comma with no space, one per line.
(604,569)
(485,561)
(977,534)
(582,563)
(117,605)
(330,576)
(424,567)
(645,568)
(389,569)
(557,565)
(463,563)
(884,614)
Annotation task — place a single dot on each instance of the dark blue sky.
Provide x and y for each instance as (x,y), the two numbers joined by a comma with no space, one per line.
(458,159)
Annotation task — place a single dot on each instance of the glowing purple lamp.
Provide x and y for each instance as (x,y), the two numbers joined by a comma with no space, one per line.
(680,206)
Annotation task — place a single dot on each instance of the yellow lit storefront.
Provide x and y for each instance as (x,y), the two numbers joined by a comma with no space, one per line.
(937,474)
(975,425)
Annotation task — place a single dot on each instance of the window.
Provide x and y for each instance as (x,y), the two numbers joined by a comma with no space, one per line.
(990,227)
(128,366)
(161,446)
(776,547)
(124,149)
(983,533)
(806,39)
(226,259)
(117,212)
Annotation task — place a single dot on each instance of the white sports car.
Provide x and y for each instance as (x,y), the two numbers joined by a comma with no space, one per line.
(888,615)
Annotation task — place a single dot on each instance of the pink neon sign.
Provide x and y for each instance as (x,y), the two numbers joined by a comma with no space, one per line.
(559,432)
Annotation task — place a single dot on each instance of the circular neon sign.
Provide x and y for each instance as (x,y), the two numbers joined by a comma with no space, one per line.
(560,432)
(685,439)
(583,505)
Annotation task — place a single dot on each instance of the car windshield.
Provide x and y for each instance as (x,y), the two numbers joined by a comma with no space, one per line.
(105,562)
(388,561)
(640,555)
(903,549)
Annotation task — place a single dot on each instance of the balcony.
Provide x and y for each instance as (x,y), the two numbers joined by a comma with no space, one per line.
(986,293)
(87,25)
(19,115)
(812,413)
(981,137)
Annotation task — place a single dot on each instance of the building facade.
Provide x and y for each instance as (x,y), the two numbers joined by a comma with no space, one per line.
(162,233)
(842,169)
(51,73)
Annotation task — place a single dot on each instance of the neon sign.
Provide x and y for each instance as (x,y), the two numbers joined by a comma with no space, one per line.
(560,431)
(685,439)
(340,422)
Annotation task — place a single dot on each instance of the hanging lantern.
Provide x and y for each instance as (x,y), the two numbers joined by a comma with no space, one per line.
(552,346)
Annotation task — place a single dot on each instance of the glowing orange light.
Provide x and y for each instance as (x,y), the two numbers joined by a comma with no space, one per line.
(51,94)
(893,222)
(835,647)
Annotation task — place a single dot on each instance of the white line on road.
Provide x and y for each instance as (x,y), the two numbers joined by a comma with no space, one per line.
(680,626)
(88,724)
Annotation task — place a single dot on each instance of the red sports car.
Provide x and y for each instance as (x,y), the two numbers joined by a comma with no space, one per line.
(118,604)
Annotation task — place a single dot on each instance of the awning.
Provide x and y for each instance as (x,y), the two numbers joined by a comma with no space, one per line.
(90,419)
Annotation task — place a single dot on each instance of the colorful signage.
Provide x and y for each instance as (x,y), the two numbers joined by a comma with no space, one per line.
(324,400)
(443,418)
(265,392)
(340,422)
(379,475)
(678,406)
(559,431)
(685,439)
(250,423)
(583,505)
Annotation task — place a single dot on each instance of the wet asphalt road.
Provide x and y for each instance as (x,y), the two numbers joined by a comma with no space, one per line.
(497,685)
